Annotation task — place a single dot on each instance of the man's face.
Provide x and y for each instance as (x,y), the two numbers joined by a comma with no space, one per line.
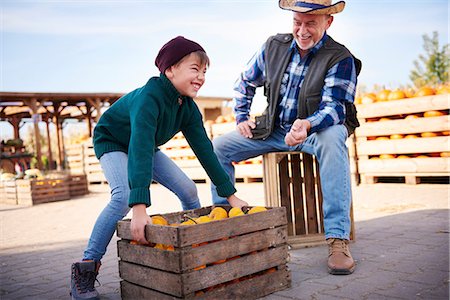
(309,29)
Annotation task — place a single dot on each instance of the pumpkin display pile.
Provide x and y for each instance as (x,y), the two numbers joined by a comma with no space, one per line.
(385,97)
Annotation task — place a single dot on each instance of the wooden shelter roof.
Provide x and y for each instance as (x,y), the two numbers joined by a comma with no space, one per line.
(69,104)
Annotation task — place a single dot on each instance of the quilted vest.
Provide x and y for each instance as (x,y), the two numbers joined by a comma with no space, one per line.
(277,57)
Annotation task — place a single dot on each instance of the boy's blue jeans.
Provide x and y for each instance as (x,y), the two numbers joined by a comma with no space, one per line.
(114,165)
(332,153)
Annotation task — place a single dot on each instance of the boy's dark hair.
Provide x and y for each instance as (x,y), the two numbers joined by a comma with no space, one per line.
(201,55)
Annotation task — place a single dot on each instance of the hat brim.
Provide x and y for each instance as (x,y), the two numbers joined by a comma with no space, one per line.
(329,10)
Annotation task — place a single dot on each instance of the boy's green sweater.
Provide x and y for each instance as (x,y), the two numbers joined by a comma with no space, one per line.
(146,118)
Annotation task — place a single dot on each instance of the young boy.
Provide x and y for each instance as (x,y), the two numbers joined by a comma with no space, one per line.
(126,141)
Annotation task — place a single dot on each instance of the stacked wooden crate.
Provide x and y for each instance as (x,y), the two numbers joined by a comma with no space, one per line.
(8,192)
(406,139)
(243,257)
(75,158)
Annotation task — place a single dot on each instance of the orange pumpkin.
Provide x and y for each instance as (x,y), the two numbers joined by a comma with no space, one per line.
(396,136)
(411,136)
(443,89)
(383,95)
(425,91)
(428,134)
(432,113)
(368,98)
(409,117)
(409,92)
(396,95)
(387,156)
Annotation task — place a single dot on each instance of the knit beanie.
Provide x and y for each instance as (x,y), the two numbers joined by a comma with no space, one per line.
(173,51)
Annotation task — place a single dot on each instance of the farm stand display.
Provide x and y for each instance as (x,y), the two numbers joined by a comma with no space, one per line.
(407,139)
(238,257)
(35,191)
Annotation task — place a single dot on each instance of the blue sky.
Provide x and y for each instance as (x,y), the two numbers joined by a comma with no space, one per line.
(110,46)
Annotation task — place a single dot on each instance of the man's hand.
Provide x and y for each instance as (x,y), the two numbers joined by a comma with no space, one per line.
(236,202)
(244,128)
(298,132)
(138,222)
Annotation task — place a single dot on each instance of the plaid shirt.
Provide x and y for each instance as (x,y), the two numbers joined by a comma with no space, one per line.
(340,86)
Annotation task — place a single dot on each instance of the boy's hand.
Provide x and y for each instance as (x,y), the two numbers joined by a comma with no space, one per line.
(138,222)
(236,202)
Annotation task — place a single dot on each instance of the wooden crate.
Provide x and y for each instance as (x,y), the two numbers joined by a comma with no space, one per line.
(75,158)
(35,191)
(240,257)
(291,180)
(384,147)
(92,166)
(8,192)
(78,185)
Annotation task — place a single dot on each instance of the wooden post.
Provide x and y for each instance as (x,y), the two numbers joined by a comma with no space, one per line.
(49,142)
(58,137)
(15,122)
(32,104)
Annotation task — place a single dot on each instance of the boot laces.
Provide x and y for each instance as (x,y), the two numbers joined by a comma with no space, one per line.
(85,281)
(339,246)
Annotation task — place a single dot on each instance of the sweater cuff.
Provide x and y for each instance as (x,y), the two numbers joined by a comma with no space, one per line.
(225,190)
(139,196)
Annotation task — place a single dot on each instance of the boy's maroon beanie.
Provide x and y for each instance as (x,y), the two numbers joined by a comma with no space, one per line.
(174,50)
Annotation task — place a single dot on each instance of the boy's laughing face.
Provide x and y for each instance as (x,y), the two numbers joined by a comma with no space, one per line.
(188,75)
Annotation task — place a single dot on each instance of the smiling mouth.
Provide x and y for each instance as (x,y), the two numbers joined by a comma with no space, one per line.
(196,86)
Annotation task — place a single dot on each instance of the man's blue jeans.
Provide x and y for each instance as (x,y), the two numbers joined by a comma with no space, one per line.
(114,165)
(332,153)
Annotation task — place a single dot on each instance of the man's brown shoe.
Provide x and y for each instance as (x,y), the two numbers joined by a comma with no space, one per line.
(340,261)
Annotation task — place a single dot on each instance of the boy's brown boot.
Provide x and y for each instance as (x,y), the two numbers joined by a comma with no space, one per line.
(340,261)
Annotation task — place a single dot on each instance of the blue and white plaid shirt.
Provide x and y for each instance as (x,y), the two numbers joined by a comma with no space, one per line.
(340,86)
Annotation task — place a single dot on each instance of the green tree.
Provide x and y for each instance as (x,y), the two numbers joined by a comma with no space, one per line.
(432,67)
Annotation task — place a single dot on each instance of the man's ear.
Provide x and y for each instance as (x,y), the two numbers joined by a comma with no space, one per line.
(329,21)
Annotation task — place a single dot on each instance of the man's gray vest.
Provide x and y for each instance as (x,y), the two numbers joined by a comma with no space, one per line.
(277,57)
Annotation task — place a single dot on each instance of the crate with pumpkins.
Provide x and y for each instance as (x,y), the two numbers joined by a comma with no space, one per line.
(214,252)
(404,135)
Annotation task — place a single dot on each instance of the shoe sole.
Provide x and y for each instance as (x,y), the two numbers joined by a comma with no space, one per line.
(341,271)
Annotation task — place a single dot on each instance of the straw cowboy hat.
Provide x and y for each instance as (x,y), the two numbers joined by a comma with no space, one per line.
(316,7)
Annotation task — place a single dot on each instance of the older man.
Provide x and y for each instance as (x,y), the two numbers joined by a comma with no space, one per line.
(310,82)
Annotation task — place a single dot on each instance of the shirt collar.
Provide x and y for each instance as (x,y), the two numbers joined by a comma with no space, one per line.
(313,49)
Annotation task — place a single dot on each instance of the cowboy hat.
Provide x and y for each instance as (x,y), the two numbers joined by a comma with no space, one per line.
(316,7)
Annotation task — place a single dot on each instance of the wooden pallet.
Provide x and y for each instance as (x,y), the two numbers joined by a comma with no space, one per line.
(385,131)
(243,257)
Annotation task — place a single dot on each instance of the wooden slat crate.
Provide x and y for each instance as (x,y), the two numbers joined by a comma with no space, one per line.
(291,180)
(75,158)
(37,191)
(8,192)
(240,257)
(92,165)
(396,139)
(78,185)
